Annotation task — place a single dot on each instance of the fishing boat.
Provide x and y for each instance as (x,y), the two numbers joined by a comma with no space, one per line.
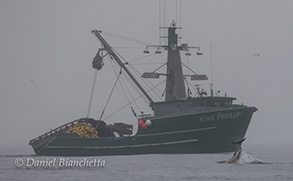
(179,124)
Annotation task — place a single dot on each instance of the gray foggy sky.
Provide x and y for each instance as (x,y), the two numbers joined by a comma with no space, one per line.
(46,49)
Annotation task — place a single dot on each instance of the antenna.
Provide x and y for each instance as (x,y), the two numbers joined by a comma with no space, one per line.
(179,21)
(165,17)
(211,58)
(212,71)
(159,21)
(176,11)
(162,20)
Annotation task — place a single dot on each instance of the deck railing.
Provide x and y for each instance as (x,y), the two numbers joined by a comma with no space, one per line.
(56,130)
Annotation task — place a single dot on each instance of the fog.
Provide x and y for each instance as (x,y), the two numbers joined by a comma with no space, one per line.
(46,49)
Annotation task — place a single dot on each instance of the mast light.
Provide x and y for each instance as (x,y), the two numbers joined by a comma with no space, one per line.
(146,50)
(158,51)
(151,75)
(199,77)
(199,52)
(188,53)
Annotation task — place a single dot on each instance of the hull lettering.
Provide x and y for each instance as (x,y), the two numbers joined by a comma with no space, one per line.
(219,116)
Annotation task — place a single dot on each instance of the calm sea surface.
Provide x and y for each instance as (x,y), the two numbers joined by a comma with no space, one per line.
(278,166)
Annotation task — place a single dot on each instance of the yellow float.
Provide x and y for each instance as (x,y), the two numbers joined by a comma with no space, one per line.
(83,130)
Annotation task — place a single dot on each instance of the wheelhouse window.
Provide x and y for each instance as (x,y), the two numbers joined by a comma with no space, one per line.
(213,103)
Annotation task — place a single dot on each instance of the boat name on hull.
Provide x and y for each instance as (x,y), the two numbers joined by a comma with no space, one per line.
(219,116)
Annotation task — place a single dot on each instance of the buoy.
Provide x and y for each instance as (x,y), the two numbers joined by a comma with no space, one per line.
(144,126)
(148,122)
(140,122)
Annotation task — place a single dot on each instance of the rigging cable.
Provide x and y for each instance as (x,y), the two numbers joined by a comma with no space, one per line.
(124,89)
(92,92)
(126,38)
(160,67)
(137,90)
(160,97)
(136,59)
(187,82)
(133,100)
(191,86)
(187,72)
(147,82)
(135,70)
(129,47)
(189,68)
(151,63)
(138,73)
(111,93)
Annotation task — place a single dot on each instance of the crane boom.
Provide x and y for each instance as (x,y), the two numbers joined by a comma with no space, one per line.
(121,64)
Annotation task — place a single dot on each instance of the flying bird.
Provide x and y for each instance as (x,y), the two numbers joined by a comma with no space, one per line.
(256,54)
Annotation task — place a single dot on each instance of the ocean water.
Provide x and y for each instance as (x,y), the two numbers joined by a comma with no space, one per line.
(256,163)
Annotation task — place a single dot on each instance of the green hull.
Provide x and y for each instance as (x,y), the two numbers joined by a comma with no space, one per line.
(210,132)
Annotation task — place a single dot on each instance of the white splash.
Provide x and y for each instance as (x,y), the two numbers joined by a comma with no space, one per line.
(246,158)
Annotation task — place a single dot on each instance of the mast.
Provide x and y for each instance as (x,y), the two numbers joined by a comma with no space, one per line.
(121,64)
(175,87)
